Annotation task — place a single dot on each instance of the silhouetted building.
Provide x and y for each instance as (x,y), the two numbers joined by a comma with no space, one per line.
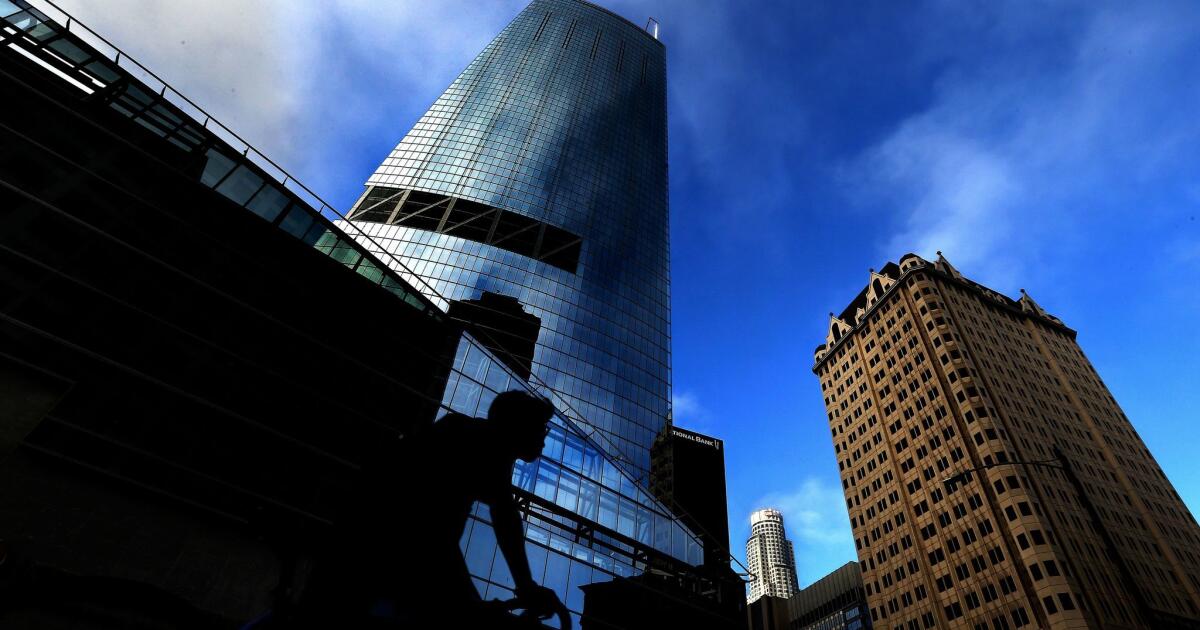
(181,396)
(834,602)
(767,613)
(176,339)
(652,601)
(771,559)
(927,374)
(502,326)
(687,473)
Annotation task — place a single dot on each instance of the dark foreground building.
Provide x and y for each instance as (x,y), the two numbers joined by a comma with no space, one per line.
(506,329)
(767,612)
(687,473)
(183,399)
(654,600)
(834,602)
(179,398)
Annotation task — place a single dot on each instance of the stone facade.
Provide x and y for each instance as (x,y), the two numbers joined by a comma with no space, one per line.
(927,375)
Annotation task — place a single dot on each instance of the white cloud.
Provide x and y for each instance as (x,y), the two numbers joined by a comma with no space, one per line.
(963,192)
(815,518)
(686,405)
(231,58)
(690,413)
(814,512)
(1021,153)
(287,76)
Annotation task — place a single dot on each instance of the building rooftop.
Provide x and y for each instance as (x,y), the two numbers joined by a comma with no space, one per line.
(882,281)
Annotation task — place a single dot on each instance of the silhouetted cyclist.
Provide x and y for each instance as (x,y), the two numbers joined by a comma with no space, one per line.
(395,558)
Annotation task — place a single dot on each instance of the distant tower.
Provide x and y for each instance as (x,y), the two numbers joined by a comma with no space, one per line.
(770,556)
(502,326)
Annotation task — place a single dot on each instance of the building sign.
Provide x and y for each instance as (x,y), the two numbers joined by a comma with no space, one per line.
(694,437)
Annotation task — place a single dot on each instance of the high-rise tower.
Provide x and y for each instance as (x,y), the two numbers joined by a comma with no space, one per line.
(1067,521)
(688,475)
(770,556)
(530,201)
(541,174)
(114,190)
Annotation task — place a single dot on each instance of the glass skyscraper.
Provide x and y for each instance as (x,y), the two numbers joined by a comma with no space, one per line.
(541,174)
(539,179)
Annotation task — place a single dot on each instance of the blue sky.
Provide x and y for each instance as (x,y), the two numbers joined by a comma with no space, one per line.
(1053,146)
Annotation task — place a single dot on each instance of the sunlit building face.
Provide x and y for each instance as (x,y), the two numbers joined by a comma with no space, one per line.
(927,375)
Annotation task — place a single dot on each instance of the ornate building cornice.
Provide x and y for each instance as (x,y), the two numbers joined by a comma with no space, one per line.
(881,283)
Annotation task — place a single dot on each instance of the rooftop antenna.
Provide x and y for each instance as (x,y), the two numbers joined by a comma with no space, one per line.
(652,27)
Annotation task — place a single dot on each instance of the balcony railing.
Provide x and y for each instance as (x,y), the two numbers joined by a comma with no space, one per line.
(233,167)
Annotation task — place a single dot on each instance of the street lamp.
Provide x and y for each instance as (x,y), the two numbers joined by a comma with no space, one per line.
(1060,462)
(952,480)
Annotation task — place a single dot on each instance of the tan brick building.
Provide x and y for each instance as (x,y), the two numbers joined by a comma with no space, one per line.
(927,374)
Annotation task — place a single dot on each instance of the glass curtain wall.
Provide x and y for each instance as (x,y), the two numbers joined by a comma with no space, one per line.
(577,475)
(590,518)
(542,175)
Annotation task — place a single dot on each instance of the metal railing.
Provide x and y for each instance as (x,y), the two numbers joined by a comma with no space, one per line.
(138,71)
(285,179)
(209,122)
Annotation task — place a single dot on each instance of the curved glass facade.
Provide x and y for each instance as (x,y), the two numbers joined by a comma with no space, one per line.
(542,174)
(608,526)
